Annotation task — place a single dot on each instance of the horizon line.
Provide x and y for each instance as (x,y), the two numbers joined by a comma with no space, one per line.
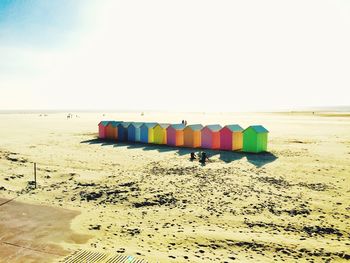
(340,108)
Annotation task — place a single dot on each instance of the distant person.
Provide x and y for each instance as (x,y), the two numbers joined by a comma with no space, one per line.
(185,122)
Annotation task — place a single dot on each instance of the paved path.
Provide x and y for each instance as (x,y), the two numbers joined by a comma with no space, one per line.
(31,233)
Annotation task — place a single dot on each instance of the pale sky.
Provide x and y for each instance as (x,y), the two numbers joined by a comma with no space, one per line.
(182,55)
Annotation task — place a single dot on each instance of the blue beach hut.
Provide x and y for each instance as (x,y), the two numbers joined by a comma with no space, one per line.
(123,131)
(146,132)
(134,132)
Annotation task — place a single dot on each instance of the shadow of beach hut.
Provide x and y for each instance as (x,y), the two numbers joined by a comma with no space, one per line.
(210,136)
(231,137)
(255,139)
(185,151)
(260,159)
(137,145)
(159,147)
(94,141)
(147,132)
(175,135)
(192,135)
(229,156)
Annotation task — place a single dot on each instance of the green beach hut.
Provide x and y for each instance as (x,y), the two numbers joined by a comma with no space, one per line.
(255,139)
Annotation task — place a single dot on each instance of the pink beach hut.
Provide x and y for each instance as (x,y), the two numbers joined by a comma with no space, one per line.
(175,135)
(231,138)
(210,136)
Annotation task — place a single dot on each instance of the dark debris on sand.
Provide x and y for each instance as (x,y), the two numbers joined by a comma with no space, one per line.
(106,194)
(131,231)
(166,199)
(318,230)
(156,169)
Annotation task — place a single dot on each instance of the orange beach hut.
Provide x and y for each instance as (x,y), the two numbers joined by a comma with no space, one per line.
(175,134)
(112,131)
(192,135)
(210,136)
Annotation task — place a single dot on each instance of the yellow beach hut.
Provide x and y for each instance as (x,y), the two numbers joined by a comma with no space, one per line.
(159,132)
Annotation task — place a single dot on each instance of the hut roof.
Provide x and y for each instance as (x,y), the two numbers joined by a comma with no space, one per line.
(195,127)
(258,128)
(178,126)
(149,124)
(164,125)
(234,127)
(115,123)
(136,124)
(125,124)
(214,127)
(104,123)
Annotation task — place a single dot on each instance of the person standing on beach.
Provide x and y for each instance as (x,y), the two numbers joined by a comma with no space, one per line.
(203,158)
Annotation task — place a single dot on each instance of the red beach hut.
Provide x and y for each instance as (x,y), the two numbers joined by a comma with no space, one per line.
(102,133)
(231,137)
(210,136)
(175,135)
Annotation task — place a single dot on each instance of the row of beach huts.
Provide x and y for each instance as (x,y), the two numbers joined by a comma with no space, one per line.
(230,137)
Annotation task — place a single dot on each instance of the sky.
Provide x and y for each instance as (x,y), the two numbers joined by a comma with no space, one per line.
(183,55)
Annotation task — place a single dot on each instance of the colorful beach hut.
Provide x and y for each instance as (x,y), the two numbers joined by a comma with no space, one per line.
(192,135)
(175,135)
(231,137)
(210,136)
(123,131)
(255,139)
(112,130)
(160,133)
(147,132)
(102,129)
(134,132)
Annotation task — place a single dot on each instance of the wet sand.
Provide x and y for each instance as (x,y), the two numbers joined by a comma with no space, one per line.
(291,204)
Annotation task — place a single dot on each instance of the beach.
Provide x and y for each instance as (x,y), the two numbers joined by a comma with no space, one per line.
(151,202)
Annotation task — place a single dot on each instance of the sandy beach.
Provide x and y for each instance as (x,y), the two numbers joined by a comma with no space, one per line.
(291,204)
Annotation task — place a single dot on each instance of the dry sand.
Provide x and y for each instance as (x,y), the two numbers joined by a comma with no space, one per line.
(291,204)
